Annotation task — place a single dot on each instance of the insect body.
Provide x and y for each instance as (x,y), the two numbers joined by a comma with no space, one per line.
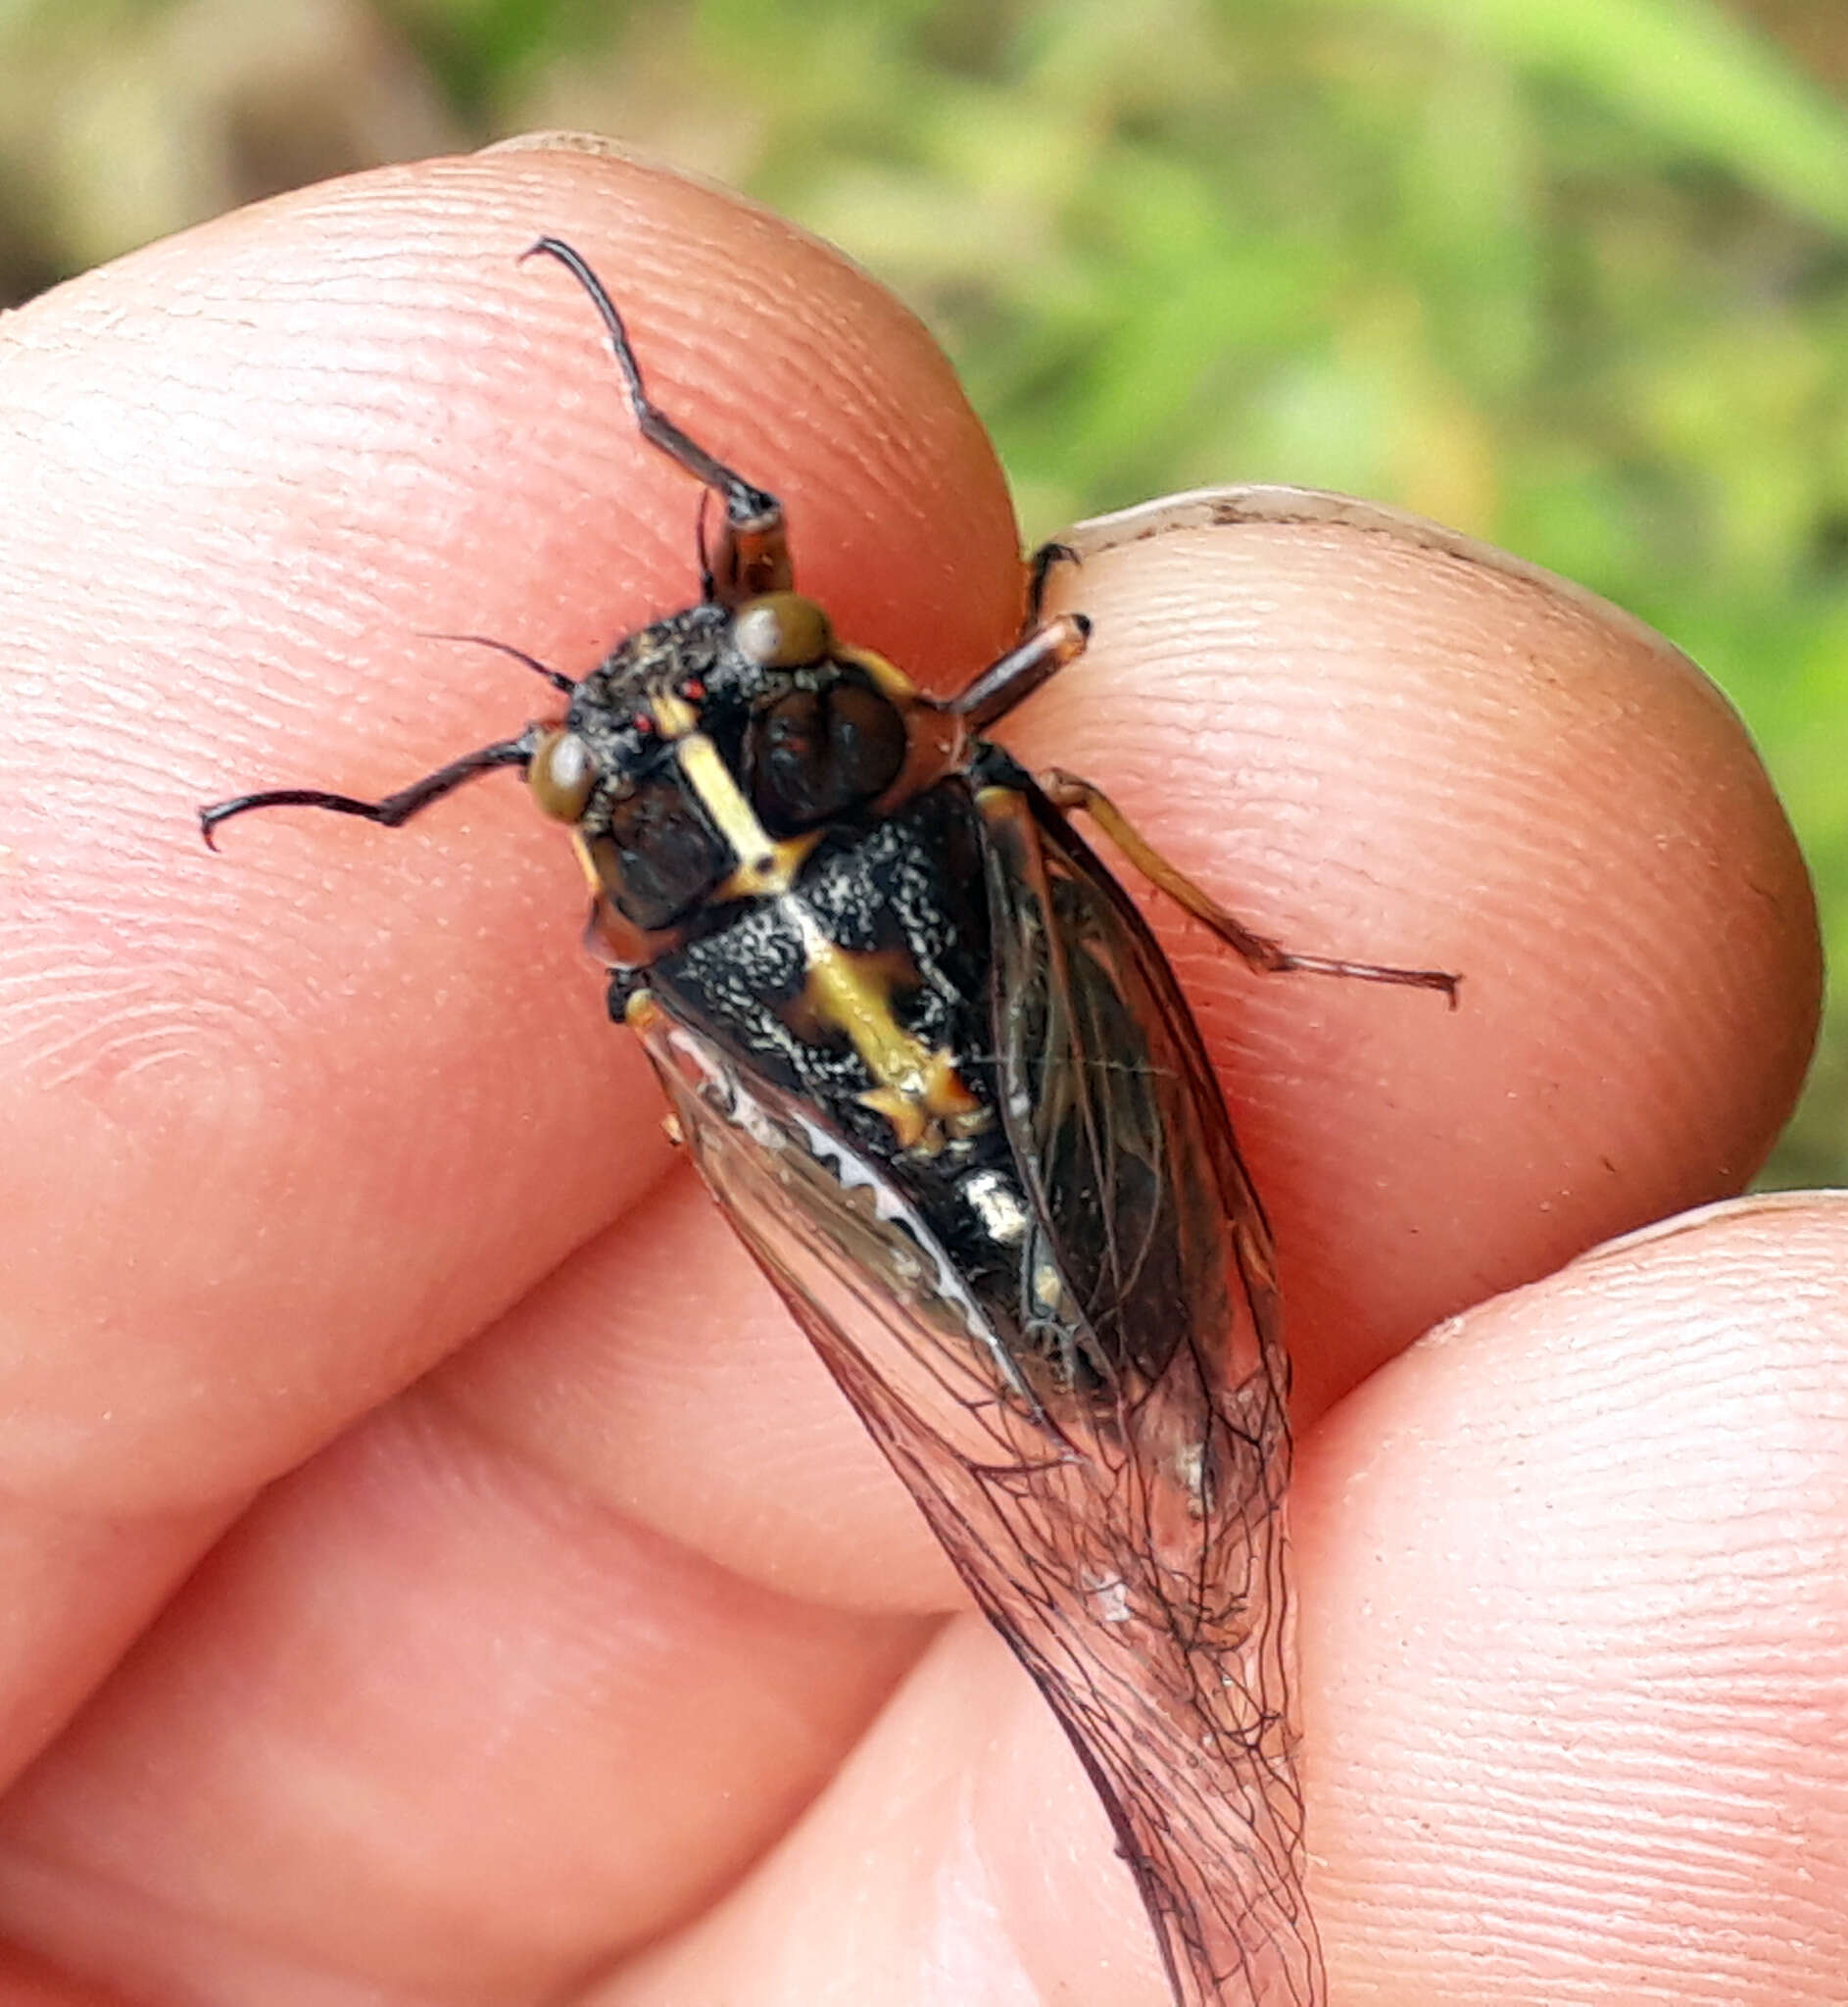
(931,1061)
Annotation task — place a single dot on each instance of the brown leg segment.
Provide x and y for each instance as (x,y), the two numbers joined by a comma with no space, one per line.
(1021,670)
(1068,792)
(393,810)
(1045,561)
(752,555)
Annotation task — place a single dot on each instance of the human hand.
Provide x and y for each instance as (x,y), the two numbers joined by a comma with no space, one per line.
(438,1572)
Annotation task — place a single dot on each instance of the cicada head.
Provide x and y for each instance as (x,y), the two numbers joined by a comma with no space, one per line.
(704,760)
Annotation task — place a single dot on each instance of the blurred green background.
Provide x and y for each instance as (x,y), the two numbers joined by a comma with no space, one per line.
(1572,274)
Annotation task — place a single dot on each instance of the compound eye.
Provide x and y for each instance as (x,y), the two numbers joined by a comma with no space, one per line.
(563,775)
(782,630)
(817,753)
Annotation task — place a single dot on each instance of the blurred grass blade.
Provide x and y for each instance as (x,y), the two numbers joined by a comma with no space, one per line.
(1685,69)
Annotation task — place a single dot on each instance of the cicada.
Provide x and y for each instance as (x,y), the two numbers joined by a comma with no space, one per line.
(933,1065)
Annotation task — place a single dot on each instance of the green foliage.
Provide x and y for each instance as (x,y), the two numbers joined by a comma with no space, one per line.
(1569,273)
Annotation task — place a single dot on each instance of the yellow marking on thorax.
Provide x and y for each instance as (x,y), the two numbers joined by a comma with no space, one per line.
(920,1091)
(766,865)
(674,716)
(593,877)
(889,680)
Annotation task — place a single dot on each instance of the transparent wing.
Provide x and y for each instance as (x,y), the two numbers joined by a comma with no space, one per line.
(1119,1516)
(1114,1113)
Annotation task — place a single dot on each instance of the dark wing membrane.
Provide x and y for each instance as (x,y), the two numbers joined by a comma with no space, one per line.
(1120,1131)
(1121,1527)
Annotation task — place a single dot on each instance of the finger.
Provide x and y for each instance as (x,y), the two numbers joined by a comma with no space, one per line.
(1571,1625)
(1574,1627)
(28,1982)
(430,1725)
(290,1122)
(699,1410)
(994,1876)
(1379,741)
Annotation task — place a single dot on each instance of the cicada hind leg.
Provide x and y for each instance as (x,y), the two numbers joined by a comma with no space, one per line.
(1043,650)
(1069,792)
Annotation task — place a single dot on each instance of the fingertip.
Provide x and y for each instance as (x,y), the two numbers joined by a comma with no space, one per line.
(264,459)
(1377,740)
(1572,1579)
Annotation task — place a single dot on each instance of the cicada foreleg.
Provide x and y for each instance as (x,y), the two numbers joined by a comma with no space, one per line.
(1038,655)
(1039,569)
(1069,792)
(752,556)
(390,811)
